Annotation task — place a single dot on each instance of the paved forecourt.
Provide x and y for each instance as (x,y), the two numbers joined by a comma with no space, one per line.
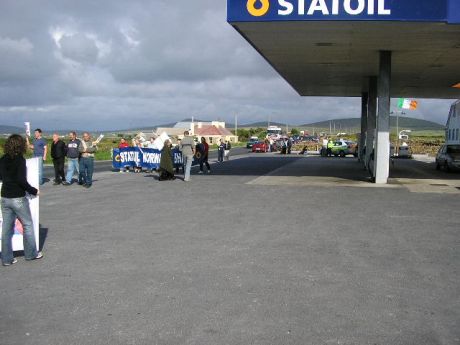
(231,259)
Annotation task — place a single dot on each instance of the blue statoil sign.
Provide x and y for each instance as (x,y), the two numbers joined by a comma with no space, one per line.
(344,10)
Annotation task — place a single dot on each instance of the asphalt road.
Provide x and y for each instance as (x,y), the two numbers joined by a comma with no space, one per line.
(264,250)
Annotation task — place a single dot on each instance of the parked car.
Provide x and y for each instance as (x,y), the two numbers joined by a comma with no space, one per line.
(260,147)
(404,151)
(251,142)
(344,147)
(310,138)
(448,157)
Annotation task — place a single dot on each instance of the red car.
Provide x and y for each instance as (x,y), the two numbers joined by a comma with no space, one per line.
(260,147)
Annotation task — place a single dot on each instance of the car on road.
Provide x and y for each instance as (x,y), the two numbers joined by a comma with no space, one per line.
(260,147)
(251,142)
(310,139)
(344,147)
(448,157)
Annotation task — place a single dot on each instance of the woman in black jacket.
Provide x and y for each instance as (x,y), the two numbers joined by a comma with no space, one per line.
(14,204)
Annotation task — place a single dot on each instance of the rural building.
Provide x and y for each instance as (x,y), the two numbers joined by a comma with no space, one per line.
(212,131)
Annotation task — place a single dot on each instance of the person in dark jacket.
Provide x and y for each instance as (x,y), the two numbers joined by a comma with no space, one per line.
(204,156)
(58,152)
(14,204)
(220,151)
(73,157)
(166,163)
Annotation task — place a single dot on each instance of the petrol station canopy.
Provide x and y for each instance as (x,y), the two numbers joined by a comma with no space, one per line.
(331,47)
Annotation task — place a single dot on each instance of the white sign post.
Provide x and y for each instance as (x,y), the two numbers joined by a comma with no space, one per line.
(32,178)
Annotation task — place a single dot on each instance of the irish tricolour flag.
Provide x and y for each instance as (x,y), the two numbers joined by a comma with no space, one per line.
(404,103)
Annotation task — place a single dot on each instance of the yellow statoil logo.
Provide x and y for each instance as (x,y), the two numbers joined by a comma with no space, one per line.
(258,8)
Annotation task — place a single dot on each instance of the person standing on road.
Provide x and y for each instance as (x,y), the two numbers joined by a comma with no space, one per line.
(73,155)
(227,149)
(14,204)
(220,151)
(166,163)
(123,145)
(87,150)
(40,150)
(288,145)
(187,147)
(205,156)
(58,151)
(330,145)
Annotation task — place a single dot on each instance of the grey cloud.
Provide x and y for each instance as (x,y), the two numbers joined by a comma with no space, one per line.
(79,48)
(145,62)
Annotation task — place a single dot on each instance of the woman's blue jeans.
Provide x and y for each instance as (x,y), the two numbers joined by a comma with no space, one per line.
(11,209)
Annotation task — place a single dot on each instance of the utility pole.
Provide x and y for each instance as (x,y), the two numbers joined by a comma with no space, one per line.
(236,127)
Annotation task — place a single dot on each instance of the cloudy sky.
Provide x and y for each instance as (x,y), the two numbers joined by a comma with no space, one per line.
(111,64)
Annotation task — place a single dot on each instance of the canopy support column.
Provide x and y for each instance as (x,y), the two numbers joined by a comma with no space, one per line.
(371,121)
(382,144)
(362,137)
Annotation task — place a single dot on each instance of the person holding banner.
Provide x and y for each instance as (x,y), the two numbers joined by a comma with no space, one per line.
(87,149)
(14,204)
(40,150)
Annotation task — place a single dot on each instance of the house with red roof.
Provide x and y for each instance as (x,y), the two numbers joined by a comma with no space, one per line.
(213,131)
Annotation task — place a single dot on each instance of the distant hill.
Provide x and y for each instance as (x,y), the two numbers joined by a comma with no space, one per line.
(11,130)
(404,122)
(262,124)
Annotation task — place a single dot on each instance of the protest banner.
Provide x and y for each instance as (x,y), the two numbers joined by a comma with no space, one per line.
(27,127)
(145,158)
(32,178)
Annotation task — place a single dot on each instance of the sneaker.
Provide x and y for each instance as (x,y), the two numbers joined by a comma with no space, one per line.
(38,257)
(65,183)
(87,186)
(11,263)
(56,183)
(209,171)
(200,172)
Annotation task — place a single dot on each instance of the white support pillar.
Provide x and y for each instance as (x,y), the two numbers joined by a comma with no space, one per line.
(382,143)
(371,121)
(362,138)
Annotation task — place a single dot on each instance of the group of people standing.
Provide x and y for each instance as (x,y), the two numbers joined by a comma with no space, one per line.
(223,150)
(190,150)
(79,154)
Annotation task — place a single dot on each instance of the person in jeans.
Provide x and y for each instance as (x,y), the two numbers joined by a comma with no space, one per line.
(220,151)
(58,150)
(40,151)
(204,156)
(187,147)
(87,150)
(14,204)
(73,155)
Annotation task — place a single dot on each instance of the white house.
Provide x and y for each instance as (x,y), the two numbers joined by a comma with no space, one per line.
(453,125)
